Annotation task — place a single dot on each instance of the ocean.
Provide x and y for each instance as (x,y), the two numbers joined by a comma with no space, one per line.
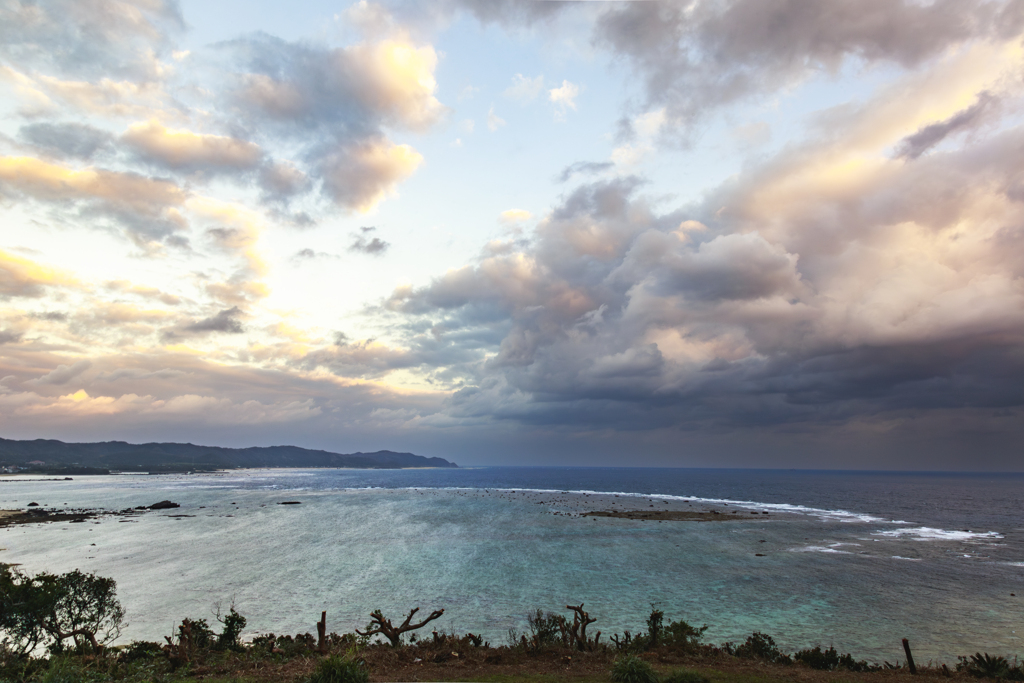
(857,560)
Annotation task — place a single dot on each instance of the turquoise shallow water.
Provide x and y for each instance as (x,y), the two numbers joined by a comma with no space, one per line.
(854,560)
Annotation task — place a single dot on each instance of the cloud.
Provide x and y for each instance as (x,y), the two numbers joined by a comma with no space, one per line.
(183,150)
(913,146)
(494,122)
(76,140)
(564,96)
(22,277)
(308,254)
(349,91)
(236,229)
(146,208)
(9,337)
(524,89)
(365,244)
(143,291)
(359,177)
(512,216)
(694,59)
(585,168)
(282,180)
(825,284)
(224,321)
(62,374)
(84,36)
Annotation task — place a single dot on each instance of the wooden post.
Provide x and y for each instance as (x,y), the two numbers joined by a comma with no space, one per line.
(321,632)
(910,657)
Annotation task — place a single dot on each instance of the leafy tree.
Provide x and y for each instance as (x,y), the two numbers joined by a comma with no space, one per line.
(233,623)
(682,635)
(57,607)
(78,606)
(21,601)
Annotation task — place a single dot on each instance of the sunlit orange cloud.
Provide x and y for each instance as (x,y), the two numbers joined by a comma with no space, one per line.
(20,276)
(361,177)
(203,409)
(185,149)
(43,180)
(398,77)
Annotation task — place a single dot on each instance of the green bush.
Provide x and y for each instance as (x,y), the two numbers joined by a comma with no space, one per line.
(67,670)
(761,646)
(632,669)
(339,669)
(139,650)
(233,624)
(681,635)
(986,666)
(829,660)
(545,629)
(685,676)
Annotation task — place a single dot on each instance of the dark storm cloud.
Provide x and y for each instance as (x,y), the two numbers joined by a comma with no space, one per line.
(920,142)
(752,308)
(365,243)
(695,57)
(224,321)
(584,168)
(76,140)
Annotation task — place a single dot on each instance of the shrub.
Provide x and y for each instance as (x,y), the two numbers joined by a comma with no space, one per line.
(233,623)
(339,669)
(67,670)
(632,669)
(545,629)
(986,666)
(829,660)
(680,634)
(139,649)
(685,676)
(654,627)
(761,646)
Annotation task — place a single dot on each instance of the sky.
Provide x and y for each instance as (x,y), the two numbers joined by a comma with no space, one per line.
(713,233)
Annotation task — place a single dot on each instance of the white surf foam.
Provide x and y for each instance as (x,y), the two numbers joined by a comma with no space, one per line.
(924,533)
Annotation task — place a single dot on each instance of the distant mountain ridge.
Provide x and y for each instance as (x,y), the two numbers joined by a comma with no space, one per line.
(120,455)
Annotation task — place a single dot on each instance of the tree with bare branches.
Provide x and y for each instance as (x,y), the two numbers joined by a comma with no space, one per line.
(578,629)
(379,624)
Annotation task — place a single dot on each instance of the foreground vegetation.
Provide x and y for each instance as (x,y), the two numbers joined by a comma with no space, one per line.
(58,629)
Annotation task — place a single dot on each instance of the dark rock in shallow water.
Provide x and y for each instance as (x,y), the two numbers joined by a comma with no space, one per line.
(291,502)
(164,505)
(33,504)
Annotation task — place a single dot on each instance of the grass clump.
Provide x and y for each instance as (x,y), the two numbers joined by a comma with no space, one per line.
(632,669)
(339,669)
(685,676)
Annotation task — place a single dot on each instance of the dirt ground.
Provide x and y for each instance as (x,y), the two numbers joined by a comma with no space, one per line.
(502,665)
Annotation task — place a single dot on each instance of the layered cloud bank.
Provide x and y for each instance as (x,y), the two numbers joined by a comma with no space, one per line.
(850,296)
